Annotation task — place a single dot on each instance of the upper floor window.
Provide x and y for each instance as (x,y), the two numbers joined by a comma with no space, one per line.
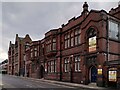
(16,49)
(92,40)
(10,60)
(35,50)
(48,45)
(13,51)
(31,53)
(72,39)
(42,49)
(51,45)
(16,57)
(54,44)
(27,45)
(77,36)
(67,40)
(113,29)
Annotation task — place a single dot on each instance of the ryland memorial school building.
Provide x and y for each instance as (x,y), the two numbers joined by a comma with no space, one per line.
(84,50)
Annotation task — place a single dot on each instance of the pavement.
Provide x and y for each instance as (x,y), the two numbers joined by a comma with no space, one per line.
(79,86)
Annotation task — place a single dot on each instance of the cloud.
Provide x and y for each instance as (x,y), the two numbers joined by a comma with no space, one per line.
(36,18)
(60,0)
(3,55)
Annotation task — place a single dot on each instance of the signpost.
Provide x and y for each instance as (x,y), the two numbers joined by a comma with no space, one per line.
(113,76)
(99,71)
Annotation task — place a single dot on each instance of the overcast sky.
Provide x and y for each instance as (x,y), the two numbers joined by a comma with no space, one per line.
(36,18)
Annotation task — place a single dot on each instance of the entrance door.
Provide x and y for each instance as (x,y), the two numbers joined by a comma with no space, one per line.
(93,74)
(41,71)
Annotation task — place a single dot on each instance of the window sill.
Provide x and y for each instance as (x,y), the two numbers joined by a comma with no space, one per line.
(78,71)
(51,53)
(72,46)
(51,73)
(66,72)
(116,40)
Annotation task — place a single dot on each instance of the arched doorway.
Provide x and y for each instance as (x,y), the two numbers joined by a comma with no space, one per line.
(41,71)
(93,74)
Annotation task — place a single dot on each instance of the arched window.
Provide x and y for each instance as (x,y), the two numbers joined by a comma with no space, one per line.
(91,33)
(91,37)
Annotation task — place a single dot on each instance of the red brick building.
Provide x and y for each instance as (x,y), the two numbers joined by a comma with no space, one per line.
(11,59)
(34,58)
(16,55)
(84,47)
(85,50)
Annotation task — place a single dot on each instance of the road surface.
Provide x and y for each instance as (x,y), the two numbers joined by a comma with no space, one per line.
(15,82)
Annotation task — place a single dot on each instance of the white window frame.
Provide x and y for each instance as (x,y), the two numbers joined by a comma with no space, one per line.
(66,65)
(77,63)
(35,51)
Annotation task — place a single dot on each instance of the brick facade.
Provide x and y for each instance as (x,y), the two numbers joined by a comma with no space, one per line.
(16,55)
(82,51)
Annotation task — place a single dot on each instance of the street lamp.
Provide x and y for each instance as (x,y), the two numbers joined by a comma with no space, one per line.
(70,68)
(25,64)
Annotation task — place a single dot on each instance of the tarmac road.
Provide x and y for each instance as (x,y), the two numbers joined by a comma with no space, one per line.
(10,82)
(15,82)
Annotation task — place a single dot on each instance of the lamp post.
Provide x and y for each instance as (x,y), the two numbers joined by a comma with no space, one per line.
(25,64)
(70,69)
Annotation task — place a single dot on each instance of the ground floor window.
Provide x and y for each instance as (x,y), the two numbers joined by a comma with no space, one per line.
(77,63)
(66,65)
(51,66)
